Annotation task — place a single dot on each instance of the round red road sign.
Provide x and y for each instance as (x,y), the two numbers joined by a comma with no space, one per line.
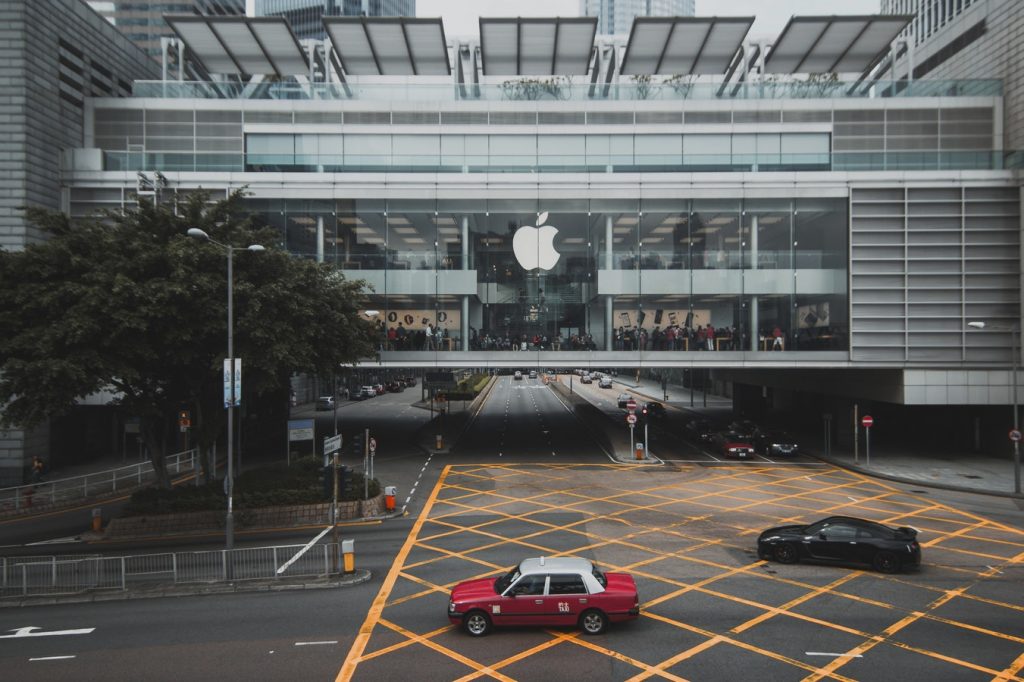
(631,418)
(1015,435)
(867,420)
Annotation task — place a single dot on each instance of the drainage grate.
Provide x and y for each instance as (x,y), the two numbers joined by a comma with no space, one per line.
(970,476)
(921,492)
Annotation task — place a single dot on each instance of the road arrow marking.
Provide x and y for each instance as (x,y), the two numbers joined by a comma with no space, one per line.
(30,632)
(49,658)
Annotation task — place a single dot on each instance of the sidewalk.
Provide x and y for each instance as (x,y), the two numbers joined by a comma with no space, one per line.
(966,472)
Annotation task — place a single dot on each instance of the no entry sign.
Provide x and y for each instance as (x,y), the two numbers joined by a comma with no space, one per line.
(1015,435)
(866,421)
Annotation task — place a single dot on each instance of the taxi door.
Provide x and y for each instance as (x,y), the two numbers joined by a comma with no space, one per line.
(525,602)
(566,599)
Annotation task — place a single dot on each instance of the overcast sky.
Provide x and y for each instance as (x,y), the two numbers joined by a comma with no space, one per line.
(460,16)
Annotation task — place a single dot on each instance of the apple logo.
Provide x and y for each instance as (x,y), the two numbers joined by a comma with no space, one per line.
(534,247)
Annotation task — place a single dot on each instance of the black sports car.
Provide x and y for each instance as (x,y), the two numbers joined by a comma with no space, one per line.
(843,539)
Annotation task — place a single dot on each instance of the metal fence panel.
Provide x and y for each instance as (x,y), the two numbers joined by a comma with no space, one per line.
(51,575)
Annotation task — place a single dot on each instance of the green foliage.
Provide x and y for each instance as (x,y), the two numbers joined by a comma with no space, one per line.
(129,304)
(468,388)
(537,88)
(271,486)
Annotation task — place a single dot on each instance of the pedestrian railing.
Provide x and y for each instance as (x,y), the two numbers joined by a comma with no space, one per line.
(56,575)
(77,488)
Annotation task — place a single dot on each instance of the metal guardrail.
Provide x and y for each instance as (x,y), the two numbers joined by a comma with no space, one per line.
(97,484)
(56,575)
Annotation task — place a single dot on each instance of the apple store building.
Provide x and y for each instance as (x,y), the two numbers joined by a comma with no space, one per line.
(683,196)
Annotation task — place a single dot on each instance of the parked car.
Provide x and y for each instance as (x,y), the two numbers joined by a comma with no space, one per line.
(379,389)
(518,375)
(604,382)
(624,399)
(395,387)
(533,374)
(654,410)
(324,402)
(545,591)
(700,430)
(731,444)
(586,378)
(744,428)
(843,539)
(409,381)
(367,392)
(775,443)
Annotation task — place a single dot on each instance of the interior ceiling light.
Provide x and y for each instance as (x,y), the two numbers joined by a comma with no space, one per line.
(398,220)
(622,230)
(414,240)
(663,229)
(404,230)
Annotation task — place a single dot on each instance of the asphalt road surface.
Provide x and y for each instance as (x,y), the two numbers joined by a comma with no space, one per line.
(528,478)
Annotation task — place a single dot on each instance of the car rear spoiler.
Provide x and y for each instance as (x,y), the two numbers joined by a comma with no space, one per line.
(907,531)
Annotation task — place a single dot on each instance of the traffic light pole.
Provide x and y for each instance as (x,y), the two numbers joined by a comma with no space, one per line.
(366,456)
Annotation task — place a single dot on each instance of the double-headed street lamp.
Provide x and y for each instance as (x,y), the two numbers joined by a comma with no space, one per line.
(196,233)
(1014,330)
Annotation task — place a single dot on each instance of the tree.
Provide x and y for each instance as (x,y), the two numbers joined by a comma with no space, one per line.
(129,304)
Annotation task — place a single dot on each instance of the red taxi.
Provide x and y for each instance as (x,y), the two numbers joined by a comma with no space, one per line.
(545,591)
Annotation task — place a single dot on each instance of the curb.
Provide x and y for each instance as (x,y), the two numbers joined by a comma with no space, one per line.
(357,578)
(914,481)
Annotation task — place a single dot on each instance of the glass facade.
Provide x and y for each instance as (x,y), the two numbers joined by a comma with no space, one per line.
(624,274)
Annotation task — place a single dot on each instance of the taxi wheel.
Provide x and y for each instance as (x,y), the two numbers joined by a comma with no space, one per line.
(785,553)
(593,622)
(886,562)
(477,623)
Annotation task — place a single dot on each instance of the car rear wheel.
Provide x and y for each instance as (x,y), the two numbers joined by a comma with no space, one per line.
(886,562)
(477,623)
(593,622)
(785,553)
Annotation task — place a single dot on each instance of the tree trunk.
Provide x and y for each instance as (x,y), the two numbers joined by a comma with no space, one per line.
(151,436)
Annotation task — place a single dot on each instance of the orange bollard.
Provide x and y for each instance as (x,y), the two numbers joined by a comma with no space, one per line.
(389,497)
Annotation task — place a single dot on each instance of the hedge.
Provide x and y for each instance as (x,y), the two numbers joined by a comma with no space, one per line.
(271,486)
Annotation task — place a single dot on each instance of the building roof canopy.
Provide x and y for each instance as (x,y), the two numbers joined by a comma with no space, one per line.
(683,45)
(389,46)
(537,46)
(243,45)
(833,44)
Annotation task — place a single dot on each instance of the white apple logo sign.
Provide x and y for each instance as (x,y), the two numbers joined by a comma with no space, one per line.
(534,247)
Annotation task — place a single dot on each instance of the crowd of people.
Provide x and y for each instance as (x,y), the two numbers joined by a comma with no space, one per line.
(671,338)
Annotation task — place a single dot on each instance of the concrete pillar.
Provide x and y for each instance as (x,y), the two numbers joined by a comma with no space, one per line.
(464,323)
(609,264)
(319,239)
(755,340)
(465,242)
(753,242)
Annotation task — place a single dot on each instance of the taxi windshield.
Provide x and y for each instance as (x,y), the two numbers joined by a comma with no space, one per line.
(502,583)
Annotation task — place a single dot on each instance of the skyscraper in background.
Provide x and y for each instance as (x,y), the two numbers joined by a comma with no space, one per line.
(616,16)
(142,21)
(304,15)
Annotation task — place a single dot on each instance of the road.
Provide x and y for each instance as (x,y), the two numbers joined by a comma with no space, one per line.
(528,478)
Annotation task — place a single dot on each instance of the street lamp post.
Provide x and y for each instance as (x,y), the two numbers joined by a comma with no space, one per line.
(229,521)
(1016,424)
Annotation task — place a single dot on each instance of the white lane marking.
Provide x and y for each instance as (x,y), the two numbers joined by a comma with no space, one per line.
(993,568)
(285,565)
(852,499)
(49,658)
(333,641)
(826,653)
(30,631)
